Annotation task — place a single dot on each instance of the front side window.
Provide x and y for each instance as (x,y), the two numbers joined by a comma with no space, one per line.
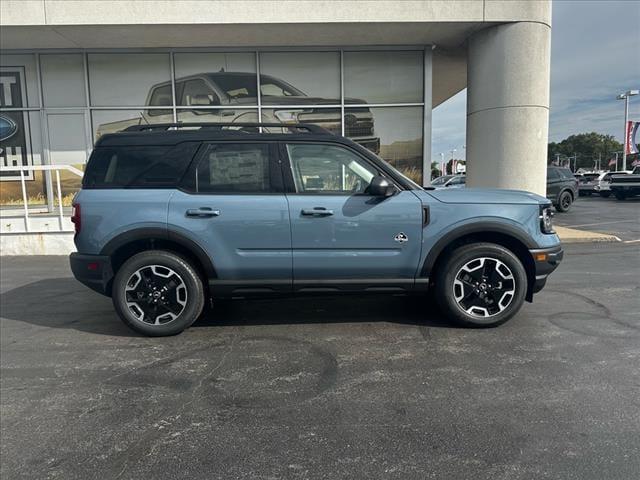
(234,168)
(328,169)
(196,92)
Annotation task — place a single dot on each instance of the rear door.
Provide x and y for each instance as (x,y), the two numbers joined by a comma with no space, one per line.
(553,183)
(342,237)
(233,205)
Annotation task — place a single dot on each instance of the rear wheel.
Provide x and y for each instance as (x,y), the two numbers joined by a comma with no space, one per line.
(481,285)
(158,293)
(564,202)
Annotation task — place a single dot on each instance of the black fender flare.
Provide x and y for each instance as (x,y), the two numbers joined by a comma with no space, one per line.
(148,233)
(485,227)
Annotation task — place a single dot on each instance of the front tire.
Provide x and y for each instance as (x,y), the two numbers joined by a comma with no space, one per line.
(481,285)
(564,202)
(158,293)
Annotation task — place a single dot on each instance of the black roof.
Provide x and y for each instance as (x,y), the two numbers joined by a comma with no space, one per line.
(159,134)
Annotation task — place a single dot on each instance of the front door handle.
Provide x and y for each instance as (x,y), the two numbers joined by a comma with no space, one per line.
(316,212)
(202,212)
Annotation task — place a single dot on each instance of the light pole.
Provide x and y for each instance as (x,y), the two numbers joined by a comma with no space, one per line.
(625,96)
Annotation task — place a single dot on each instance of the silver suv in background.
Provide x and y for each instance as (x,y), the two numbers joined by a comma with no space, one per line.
(603,183)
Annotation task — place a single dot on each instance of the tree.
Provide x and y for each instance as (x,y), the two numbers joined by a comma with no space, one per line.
(587,147)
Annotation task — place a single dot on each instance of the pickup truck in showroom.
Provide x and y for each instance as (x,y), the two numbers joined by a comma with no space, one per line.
(227,97)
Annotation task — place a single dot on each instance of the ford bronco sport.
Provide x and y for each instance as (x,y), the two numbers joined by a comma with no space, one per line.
(172,217)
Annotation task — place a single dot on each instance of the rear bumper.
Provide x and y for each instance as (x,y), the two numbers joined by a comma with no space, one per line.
(545,260)
(94,271)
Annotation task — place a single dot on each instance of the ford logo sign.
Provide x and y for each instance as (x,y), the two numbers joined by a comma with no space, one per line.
(8,128)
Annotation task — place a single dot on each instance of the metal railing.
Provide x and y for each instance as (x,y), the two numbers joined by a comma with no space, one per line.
(45,168)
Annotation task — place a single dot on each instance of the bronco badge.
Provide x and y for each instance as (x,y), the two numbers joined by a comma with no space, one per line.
(401,238)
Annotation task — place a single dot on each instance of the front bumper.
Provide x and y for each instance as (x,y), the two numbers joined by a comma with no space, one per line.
(94,271)
(545,260)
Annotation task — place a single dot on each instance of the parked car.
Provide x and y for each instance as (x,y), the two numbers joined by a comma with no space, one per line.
(168,221)
(602,186)
(586,183)
(231,90)
(625,186)
(449,181)
(562,188)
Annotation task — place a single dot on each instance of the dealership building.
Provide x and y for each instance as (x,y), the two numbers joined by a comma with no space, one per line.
(71,71)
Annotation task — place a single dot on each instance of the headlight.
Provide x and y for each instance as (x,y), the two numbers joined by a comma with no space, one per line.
(287,116)
(546,215)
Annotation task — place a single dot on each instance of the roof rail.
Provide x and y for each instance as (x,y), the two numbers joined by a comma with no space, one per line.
(294,127)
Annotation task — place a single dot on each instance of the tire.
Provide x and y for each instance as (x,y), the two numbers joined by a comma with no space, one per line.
(564,201)
(461,304)
(158,293)
(620,195)
(605,194)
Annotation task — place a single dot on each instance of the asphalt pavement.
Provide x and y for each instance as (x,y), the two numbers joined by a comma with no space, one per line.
(324,388)
(605,215)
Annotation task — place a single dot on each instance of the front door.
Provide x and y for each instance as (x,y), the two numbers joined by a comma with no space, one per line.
(232,204)
(343,238)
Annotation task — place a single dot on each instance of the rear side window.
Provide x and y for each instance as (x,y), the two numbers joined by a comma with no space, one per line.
(234,168)
(138,167)
(566,173)
(552,174)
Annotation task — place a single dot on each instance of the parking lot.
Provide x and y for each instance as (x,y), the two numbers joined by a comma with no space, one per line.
(357,387)
(604,215)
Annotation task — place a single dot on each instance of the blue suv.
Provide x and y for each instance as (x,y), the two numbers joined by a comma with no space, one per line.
(172,217)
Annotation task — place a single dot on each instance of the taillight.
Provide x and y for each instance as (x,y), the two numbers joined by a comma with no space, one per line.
(75,217)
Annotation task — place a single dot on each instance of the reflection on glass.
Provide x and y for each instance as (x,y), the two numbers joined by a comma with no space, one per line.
(63,80)
(224,115)
(111,121)
(384,77)
(300,78)
(20,145)
(398,136)
(223,78)
(328,118)
(18,78)
(126,79)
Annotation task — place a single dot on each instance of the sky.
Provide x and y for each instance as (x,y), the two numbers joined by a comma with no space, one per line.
(595,55)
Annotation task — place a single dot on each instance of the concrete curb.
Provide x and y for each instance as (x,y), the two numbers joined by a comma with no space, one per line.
(571,235)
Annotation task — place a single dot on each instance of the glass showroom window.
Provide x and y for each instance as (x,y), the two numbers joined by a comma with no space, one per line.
(20,130)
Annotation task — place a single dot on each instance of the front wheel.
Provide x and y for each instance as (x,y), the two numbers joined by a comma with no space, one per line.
(481,285)
(158,293)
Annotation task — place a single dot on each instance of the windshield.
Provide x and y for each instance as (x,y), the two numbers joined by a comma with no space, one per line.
(241,85)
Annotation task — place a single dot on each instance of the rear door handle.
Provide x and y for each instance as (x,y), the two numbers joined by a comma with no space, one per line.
(202,212)
(317,212)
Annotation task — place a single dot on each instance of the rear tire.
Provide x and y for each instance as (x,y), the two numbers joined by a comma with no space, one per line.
(481,285)
(158,293)
(564,202)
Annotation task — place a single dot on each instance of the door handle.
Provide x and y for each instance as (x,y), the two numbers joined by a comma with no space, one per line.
(202,212)
(316,212)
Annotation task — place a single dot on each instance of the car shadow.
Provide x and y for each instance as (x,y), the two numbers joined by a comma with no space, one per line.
(65,303)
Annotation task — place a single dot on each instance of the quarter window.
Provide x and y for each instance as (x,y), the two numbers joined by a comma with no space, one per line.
(234,168)
(328,169)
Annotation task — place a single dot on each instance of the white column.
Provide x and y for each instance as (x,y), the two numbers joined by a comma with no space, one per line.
(508,106)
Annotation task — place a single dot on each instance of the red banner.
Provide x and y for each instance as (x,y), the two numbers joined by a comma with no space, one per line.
(630,131)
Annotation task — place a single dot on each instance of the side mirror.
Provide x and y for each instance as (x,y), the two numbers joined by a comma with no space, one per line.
(381,187)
